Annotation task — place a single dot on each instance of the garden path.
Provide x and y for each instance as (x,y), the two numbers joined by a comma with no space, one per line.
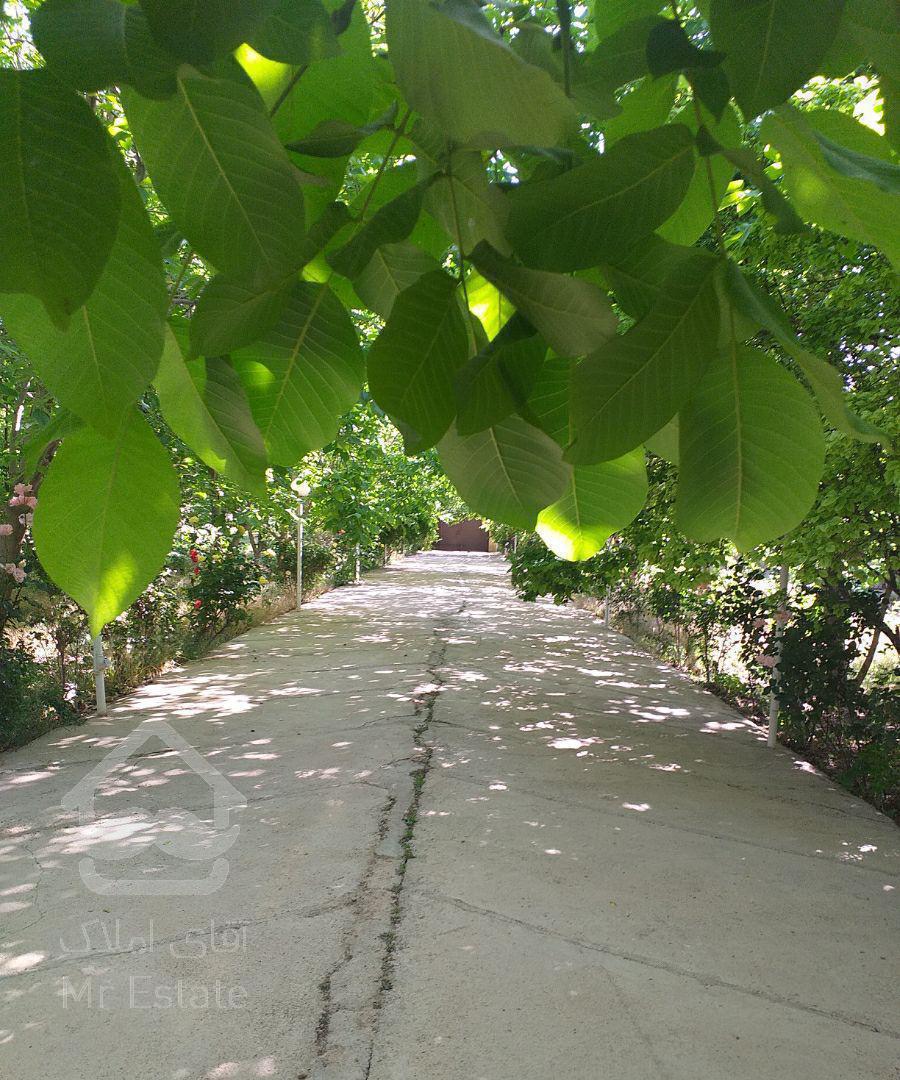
(476,839)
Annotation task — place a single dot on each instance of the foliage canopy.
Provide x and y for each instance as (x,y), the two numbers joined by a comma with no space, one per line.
(509,196)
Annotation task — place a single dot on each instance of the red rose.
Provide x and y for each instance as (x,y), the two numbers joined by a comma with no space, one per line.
(197,603)
(194,555)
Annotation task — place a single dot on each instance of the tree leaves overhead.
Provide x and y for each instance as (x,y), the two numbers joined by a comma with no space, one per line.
(508,473)
(772,46)
(464,203)
(105,358)
(611,15)
(95,43)
(107,545)
(393,222)
(628,389)
(413,361)
(455,71)
(751,452)
(302,375)
(499,379)
(218,166)
(231,314)
(296,32)
(637,279)
(392,269)
(573,316)
(203,30)
(598,210)
(59,193)
(825,380)
(844,204)
(204,403)
(598,501)
(705,192)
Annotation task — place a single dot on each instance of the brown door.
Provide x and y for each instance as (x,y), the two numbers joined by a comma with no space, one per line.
(462,536)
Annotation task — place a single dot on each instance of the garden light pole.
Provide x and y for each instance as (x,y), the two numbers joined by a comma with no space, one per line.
(301,489)
(99,674)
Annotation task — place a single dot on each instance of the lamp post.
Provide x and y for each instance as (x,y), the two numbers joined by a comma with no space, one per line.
(301,489)
(100,666)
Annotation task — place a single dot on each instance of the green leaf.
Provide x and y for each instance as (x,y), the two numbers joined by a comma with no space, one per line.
(612,15)
(598,210)
(488,304)
(599,501)
(547,405)
(62,423)
(500,378)
(391,223)
(297,32)
(341,87)
(573,316)
(848,206)
(455,71)
(751,452)
(92,44)
(692,218)
(393,268)
(637,279)
(850,163)
(106,517)
(203,30)
(825,380)
(105,358)
(774,203)
(337,138)
(59,193)
(218,166)
(772,46)
(664,443)
(670,49)
(629,388)
(621,57)
(645,107)
(413,361)
(303,375)
(231,314)
(204,403)
(463,195)
(508,473)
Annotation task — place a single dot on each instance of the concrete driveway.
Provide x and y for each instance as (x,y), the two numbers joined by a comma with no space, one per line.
(423,831)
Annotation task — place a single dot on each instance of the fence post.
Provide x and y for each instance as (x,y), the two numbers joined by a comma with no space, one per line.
(774,701)
(606,610)
(99,674)
(357,577)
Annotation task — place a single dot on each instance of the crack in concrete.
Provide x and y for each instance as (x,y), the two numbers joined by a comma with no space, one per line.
(353,990)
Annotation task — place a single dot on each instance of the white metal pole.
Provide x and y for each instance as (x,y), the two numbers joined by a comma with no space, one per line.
(606,611)
(99,675)
(776,671)
(300,509)
(357,565)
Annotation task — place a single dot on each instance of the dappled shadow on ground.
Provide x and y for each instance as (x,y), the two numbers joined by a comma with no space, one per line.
(255,779)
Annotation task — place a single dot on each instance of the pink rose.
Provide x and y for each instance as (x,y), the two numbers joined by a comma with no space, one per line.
(6,530)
